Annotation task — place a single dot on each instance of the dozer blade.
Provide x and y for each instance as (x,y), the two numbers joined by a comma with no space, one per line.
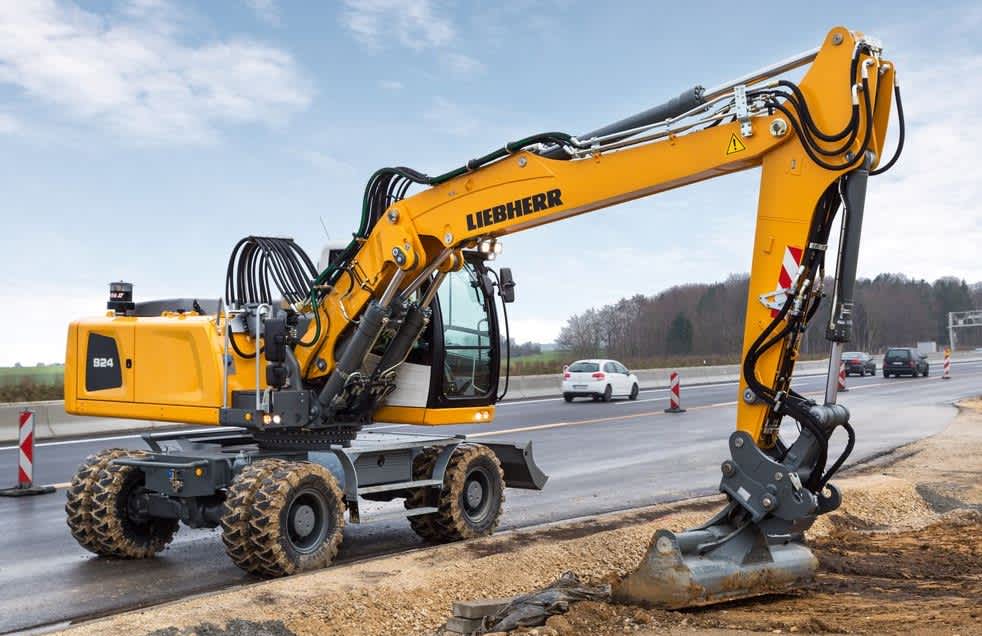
(674,574)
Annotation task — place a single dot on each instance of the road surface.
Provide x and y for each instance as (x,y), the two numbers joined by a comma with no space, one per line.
(599,457)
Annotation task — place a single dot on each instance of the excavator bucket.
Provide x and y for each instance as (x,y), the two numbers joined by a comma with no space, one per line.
(755,545)
(676,572)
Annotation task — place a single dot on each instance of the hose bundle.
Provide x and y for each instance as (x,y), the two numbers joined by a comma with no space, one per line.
(258,264)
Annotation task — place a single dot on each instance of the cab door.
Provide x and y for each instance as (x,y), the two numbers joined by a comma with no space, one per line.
(465,340)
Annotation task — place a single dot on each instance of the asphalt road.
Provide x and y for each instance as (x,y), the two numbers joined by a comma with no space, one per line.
(600,458)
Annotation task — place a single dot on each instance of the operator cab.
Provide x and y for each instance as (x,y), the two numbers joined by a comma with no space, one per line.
(459,353)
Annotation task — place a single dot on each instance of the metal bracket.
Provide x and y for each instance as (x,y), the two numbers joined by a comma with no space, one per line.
(743,110)
(775,299)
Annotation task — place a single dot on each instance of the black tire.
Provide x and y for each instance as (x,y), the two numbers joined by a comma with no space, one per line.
(634,392)
(78,504)
(119,529)
(237,512)
(297,520)
(470,501)
(927,371)
(608,393)
(567,397)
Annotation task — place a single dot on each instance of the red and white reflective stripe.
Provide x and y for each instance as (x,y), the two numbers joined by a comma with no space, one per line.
(674,393)
(25,467)
(789,272)
(842,376)
(947,365)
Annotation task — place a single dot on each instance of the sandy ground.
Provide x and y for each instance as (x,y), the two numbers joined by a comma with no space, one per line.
(903,554)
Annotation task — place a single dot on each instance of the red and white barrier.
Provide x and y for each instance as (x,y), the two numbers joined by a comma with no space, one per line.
(842,377)
(674,395)
(25,464)
(947,365)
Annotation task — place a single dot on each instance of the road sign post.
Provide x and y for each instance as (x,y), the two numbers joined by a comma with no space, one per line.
(674,395)
(25,464)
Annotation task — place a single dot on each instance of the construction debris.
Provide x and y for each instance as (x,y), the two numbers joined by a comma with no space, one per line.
(529,610)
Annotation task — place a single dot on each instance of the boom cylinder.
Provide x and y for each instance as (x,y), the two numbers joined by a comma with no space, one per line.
(369,327)
(672,108)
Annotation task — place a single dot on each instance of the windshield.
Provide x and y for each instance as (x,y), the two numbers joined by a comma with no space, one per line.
(583,367)
(898,354)
(849,355)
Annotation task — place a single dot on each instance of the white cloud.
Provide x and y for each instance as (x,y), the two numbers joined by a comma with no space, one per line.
(138,72)
(417,24)
(325,163)
(462,64)
(927,207)
(266,10)
(391,85)
(8,124)
(447,116)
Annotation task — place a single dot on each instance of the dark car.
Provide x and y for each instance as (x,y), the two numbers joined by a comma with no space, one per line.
(904,361)
(859,363)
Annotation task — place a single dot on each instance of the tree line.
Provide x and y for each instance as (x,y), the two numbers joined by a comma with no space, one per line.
(707,319)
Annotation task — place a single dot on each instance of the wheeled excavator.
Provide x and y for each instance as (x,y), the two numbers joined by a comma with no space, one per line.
(288,372)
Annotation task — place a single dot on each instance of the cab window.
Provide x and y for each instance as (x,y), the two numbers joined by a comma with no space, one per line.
(468,350)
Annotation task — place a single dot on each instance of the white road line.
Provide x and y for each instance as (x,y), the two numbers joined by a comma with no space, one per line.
(86,440)
(630,402)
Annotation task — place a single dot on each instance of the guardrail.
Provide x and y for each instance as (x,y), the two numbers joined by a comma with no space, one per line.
(53,422)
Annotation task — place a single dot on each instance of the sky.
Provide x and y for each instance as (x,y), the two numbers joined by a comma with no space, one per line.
(139,140)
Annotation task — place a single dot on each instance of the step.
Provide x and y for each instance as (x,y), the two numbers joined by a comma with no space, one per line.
(400,485)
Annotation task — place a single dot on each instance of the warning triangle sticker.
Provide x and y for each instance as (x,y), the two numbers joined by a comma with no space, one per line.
(735,145)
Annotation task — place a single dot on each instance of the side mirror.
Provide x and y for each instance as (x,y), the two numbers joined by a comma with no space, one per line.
(506,285)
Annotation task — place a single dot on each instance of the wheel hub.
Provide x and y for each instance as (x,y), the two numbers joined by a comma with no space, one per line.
(307,521)
(474,494)
(304,520)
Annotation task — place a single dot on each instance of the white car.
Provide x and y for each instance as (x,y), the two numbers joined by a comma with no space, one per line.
(599,379)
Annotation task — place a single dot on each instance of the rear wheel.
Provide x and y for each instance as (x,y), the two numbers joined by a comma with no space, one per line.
(120,524)
(78,507)
(567,397)
(296,520)
(634,392)
(608,392)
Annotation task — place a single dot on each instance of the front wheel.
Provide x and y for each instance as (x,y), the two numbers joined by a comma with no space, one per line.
(634,392)
(608,392)
(470,501)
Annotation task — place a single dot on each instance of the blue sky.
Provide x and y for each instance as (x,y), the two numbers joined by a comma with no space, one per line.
(139,140)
